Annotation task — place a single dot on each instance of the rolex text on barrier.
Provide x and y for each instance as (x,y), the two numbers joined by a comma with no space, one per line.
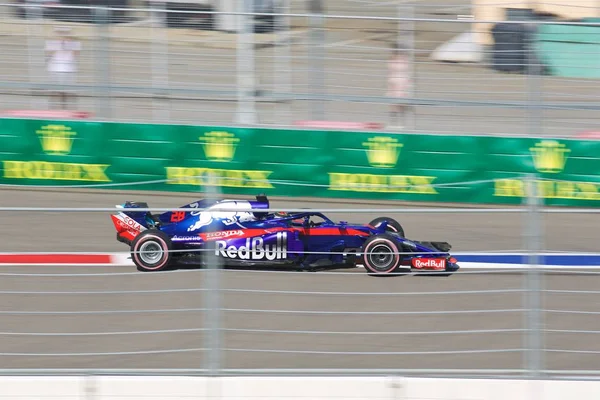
(220,147)
(244,161)
(382,152)
(56,142)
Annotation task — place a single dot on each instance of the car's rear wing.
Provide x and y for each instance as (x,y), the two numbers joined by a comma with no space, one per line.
(144,218)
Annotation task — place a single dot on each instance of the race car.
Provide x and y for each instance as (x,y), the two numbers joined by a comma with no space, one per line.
(248,233)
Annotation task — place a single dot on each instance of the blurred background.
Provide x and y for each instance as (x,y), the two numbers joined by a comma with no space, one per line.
(466,66)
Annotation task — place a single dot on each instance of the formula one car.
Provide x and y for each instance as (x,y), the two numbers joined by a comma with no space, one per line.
(247,233)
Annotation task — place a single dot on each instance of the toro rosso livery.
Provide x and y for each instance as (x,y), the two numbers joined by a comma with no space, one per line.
(246,233)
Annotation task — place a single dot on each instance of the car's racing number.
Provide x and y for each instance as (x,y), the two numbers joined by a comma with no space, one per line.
(177,216)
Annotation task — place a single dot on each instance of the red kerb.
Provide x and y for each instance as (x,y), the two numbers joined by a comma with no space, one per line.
(55,259)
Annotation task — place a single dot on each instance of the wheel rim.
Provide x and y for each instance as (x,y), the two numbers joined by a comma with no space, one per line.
(150,252)
(381,257)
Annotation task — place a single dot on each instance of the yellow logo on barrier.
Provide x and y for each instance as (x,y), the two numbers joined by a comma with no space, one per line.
(549,156)
(383,151)
(219,146)
(56,140)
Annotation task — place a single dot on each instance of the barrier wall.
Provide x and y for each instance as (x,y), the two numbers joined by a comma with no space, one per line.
(469,169)
(313,388)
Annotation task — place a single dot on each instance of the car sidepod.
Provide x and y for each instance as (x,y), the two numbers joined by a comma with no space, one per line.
(256,246)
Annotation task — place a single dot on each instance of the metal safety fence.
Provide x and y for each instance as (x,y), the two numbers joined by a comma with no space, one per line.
(529,320)
(294,63)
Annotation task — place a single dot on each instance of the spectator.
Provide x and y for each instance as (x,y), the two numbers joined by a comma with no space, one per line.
(398,83)
(61,57)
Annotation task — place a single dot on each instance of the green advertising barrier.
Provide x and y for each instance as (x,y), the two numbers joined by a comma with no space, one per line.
(247,161)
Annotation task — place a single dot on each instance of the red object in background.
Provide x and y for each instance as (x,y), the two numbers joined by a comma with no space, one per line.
(58,114)
(588,135)
(340,125)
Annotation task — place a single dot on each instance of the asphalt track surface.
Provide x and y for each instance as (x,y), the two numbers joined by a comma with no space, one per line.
(274,319)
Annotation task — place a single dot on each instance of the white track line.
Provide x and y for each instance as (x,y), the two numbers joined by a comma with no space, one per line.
(124,260)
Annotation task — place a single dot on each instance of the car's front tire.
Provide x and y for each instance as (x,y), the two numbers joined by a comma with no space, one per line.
(381,255)
(151,251)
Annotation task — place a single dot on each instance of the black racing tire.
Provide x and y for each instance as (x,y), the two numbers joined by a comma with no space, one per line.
(151,251)
(380,255)
(393,225)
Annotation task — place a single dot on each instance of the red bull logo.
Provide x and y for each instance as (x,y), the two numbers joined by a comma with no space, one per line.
(429,263)
(255,249)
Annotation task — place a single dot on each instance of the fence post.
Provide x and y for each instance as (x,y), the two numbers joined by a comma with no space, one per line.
(533,294)
(282,64)
(102,63)
(246,74)
(160,62)
(35,45)
(534,72)
(212,300)
(406,38)
(316,60)
(534,276)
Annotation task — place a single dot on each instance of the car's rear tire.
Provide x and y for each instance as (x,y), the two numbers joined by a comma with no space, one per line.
(151,251)
(380,255)
(392,226)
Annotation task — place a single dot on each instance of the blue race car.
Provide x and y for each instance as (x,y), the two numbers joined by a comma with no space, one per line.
(242,233)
